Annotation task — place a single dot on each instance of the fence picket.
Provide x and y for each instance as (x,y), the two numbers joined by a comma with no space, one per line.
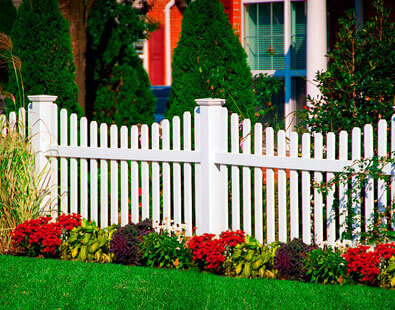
(224,168)
(84,169)
(270,215)
(64,169)
(22,122)
(318,206)
(343,187)
(234,123)
(369,187)
(356,196)
(145,174)
(166,172)
(134,185)
(246,143)
(330,208)
(103,179)
(293,188)
(73,167)
(176,173)
(393,169)
(282,190)
(306,206)
(114,176)
(93,171)
(12,121)
(124,180)
(258,203)
(187,175)
(382,152)
(155,178)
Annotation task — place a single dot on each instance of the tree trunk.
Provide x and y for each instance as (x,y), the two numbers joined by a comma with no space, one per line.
(74,12)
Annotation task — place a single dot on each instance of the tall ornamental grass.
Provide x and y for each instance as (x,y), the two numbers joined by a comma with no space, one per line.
(21,193)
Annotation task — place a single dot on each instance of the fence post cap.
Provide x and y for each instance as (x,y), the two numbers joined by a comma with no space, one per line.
(210,102)
(42,98)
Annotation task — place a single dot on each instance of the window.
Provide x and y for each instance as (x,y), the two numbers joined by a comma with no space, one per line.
(298,35)
(264,39)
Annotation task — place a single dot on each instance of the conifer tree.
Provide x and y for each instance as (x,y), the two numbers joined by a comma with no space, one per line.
(7,15)
(40,36)
(209,61)
(118,88)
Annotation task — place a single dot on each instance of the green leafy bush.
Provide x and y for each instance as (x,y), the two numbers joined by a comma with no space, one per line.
(41,40)
(165,250)
(7,15)
(251,260)
(118,88)
(209,61)
(357,88)
(387,276)
(325,266)
(88,243)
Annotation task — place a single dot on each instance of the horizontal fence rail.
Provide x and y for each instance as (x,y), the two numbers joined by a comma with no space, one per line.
(209,170)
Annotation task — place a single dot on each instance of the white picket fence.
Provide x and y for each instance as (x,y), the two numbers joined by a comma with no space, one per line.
(204,174)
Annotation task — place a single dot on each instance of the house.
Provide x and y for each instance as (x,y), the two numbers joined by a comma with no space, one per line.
(284,38)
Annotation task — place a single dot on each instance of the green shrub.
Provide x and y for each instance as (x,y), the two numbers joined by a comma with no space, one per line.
(165,250)
(357,88)
(118,88)
(209,61)
(88,243)
(252,260)
(40,35)
(325,266)
(387,276)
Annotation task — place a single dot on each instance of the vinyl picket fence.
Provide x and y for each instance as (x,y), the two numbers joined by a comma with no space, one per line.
(207,170)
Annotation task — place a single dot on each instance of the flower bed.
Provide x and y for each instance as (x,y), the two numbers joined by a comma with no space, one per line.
(231,253)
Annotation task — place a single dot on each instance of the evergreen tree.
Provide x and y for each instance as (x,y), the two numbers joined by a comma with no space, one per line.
(7,15)
(41,40)
(357,88)
(118,88)
(209,61)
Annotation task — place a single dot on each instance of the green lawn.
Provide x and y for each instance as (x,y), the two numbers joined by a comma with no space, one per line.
(35,283)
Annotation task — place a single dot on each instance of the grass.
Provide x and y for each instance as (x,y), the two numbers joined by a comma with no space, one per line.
(35,283)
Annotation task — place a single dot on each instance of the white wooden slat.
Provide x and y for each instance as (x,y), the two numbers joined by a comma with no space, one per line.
(234,131)
(3,122)
(318,205)
(343,199)
(145,173)
(392,198)
(73,167)
(114,176)
(12,121)
(84,169)
(356,196)
(54,162)
(306,192)
(166,172)
(187,174)
(94,216)
(176,173)
(124,180)
(64,169)
(224,168)
(369,187)
(270,215)
(197,170)
(293,188)
(382,152)
(134,186)
(258,201)
(155,178)
(246,143)
(22,122)
(282,190)
(103,179)
(330,208)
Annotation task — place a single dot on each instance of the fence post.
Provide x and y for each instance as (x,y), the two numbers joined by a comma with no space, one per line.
(213,209)
(43,130)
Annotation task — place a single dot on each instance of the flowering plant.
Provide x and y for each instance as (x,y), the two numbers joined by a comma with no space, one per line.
(210,253)
(366,263)
(43,237)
